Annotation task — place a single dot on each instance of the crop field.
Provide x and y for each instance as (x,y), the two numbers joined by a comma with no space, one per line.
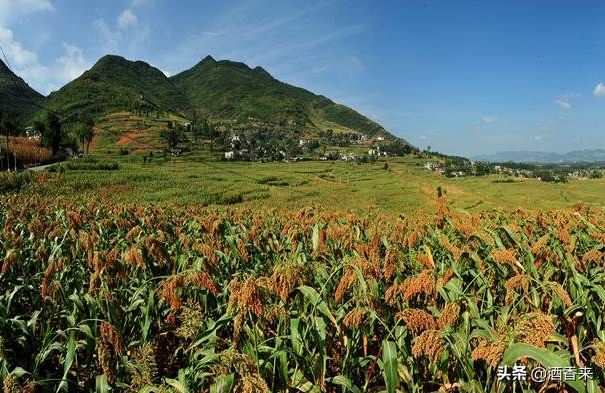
(183,274)
(119,297)
(403,187)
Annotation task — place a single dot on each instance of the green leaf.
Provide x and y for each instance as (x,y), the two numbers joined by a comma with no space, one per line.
(101,384)
(69,359)
(543,356)
(345,382)
(222,384)
(315,299)
(389,365)
(177,385)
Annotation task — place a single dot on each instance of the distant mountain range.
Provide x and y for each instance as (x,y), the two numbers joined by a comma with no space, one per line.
(577,156)
(218,90)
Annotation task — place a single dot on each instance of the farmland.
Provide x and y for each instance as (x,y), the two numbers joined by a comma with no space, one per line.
(109,295)
(404,187)
(190,274)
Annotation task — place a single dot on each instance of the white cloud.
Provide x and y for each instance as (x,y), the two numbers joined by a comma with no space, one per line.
(563,103)
(127,19)
(538,138)
(43,77)
(489,119)
(109,39)
(564,100)
(72,62)
(18,56)
(128,33)
(599,90)
(12,9)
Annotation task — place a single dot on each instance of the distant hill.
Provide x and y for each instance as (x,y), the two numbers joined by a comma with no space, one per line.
(231,90)
(17,99)
(578,156)
(223,91)
(115,84)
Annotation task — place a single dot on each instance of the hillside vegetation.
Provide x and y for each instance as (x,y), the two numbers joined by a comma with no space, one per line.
(226,89)
(224,92)
(115,84)
(17,100)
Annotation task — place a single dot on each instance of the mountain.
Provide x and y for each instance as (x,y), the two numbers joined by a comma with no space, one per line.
(223,91)
(115,84)
(577,156)
(17,99)
(233,91)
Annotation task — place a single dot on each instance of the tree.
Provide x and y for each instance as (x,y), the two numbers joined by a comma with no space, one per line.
(172,135)
(52,133)
(86,132)
(201,129)
(10,129)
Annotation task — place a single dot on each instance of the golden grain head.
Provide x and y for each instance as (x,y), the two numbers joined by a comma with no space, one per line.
(559,292)
(429,344)
(449,315)
(519,281)
(202,280)
(416,320)
(421,283)
(348,279)
(110,337)
(285,278)
(10,258)
(593,256)
(599,357)
(247,296)
(489,351)
(504,256)
(354,318)
(534,328)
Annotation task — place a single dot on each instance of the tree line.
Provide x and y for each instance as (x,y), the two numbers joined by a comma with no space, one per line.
(52,135)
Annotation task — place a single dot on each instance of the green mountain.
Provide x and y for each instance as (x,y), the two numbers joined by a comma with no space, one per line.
(223,91)
(115,84)
(17,99)
(233,91)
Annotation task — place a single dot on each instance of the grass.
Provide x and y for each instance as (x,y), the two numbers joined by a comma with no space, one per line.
(405,188)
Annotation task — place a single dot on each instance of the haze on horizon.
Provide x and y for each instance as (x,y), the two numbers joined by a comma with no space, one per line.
(462,77)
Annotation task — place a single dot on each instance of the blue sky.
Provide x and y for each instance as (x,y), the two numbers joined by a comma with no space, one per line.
(465,77)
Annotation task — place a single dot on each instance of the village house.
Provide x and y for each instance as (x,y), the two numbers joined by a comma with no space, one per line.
(32,133)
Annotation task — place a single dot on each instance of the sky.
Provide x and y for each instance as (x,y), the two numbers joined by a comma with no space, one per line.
(463,77)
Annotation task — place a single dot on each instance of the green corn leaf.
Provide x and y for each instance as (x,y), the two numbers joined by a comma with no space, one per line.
(543,356)
(102,386)
(315,299)
(345,382)
(389,365)
(69,359)
(222,384)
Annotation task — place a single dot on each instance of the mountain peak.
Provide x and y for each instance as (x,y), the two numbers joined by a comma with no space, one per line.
(232,90)
(208,59)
